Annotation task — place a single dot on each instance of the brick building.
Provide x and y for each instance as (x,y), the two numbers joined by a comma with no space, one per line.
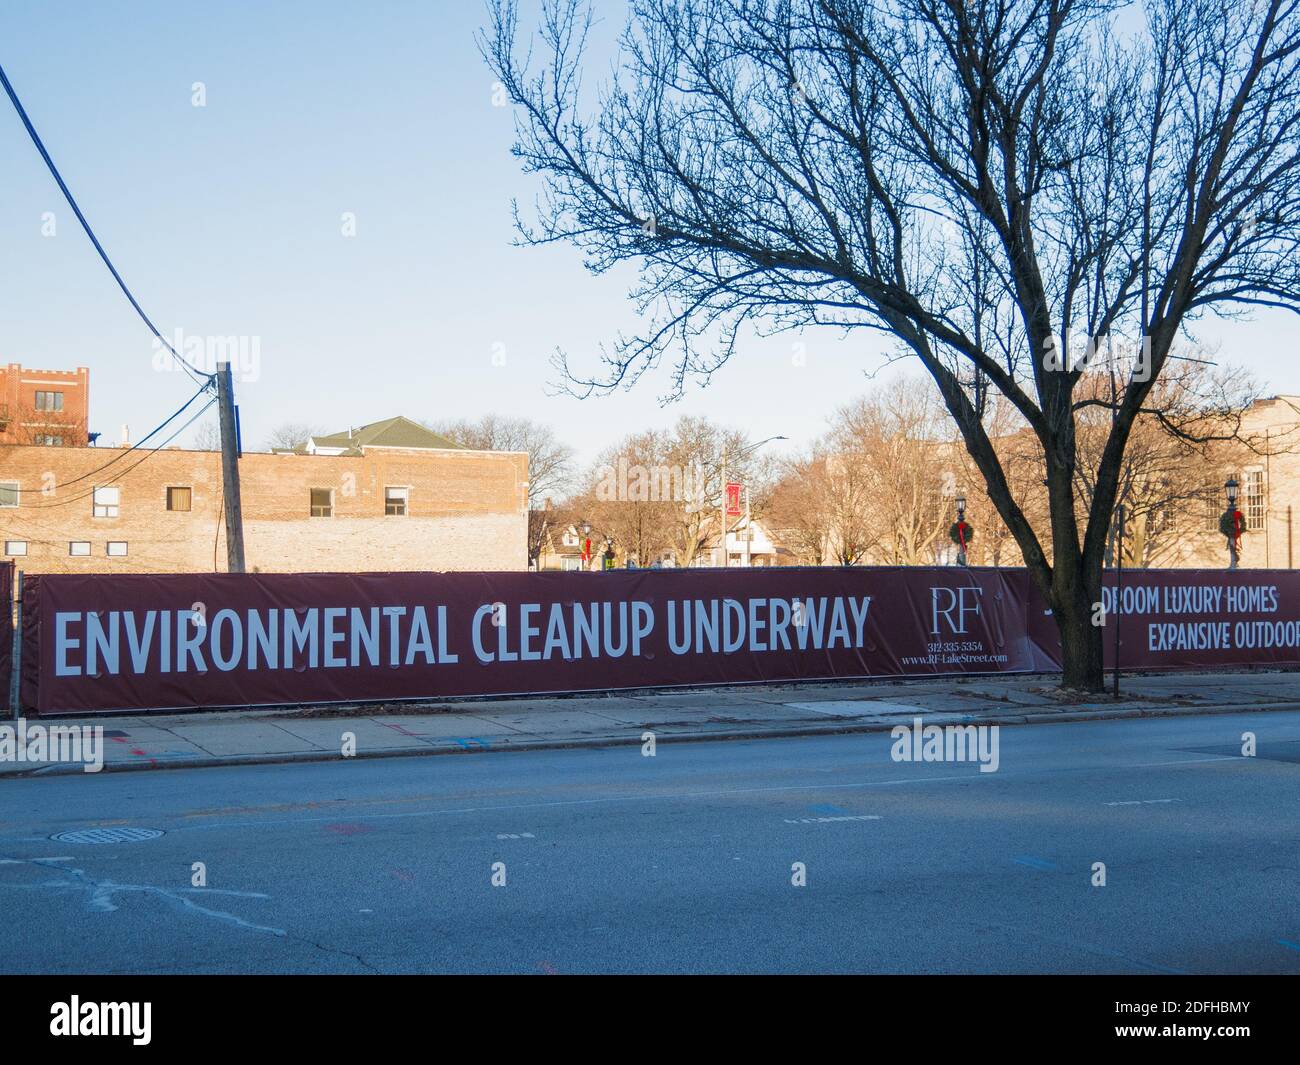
(44,407)
(1269,492)
(427,505)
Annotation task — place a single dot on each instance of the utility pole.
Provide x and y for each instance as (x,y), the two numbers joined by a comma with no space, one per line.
(723,508)
(1119,587)
(749,528)
(230,470)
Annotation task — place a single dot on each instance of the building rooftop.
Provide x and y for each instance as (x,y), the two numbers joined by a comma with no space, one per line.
(391,432)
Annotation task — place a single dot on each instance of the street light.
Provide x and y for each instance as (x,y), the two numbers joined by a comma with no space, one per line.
(1231,487)
(961,530)
(749,532)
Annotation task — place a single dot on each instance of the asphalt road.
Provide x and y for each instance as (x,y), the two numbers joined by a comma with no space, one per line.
(614,862)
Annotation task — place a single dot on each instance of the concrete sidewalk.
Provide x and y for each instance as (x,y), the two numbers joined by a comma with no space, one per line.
(753,712)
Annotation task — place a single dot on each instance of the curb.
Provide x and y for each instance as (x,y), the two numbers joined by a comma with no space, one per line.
(598,742)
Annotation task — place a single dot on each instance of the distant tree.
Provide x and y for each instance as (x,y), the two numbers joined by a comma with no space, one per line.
(800,510)
(1162,479)
(290,435)
(207,437)
(24,424)
(987,182)
(628,499)
(662,490)
(892,439)
(550,461)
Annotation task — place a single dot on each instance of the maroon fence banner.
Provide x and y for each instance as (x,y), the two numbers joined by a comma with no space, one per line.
(107,642)
(6,633)
(142,642)
(1203,619)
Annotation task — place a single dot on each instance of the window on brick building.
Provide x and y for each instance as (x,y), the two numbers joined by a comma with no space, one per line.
(1254,495)
(8,493)
(49,401)
(179,498)
(15,547)
(322,502)
(117,549)
(107,500)
(44,440)
(395,500)
(79,547)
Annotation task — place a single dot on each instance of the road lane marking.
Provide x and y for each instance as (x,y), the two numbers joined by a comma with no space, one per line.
(1140,802)
(26,861)
(828,820)
(989,778)
(974,775)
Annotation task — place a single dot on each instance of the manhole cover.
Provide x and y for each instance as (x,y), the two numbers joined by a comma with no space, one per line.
(107,835)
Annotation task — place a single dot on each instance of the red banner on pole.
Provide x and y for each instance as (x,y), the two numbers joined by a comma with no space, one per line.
(734,508)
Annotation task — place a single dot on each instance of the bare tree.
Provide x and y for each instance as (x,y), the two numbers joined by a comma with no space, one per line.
(698,453)
(289,436)
(1162,472)
(894,437)
(984,181)
(550,461)
(207,437)
(661,491)
(629,500)
(24,423)
(799,510)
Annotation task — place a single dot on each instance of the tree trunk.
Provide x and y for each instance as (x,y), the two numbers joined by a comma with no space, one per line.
(1073,600)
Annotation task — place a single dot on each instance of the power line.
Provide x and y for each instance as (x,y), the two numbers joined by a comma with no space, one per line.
(134,447)
(122,474)
(193,371)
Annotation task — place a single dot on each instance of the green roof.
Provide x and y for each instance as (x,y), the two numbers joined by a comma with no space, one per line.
(392,432)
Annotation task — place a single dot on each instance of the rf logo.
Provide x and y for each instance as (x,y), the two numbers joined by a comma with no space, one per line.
(954,605)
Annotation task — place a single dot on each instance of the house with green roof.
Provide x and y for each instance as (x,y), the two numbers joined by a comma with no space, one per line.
(396,432)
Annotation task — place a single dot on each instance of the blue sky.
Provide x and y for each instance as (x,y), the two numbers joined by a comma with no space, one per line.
(226,220)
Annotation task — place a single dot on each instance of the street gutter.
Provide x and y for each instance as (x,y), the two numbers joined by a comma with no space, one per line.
(634,738)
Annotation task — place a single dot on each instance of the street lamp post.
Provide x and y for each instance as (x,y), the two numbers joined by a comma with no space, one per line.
(1231,487)
(723,490)
(961,531)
